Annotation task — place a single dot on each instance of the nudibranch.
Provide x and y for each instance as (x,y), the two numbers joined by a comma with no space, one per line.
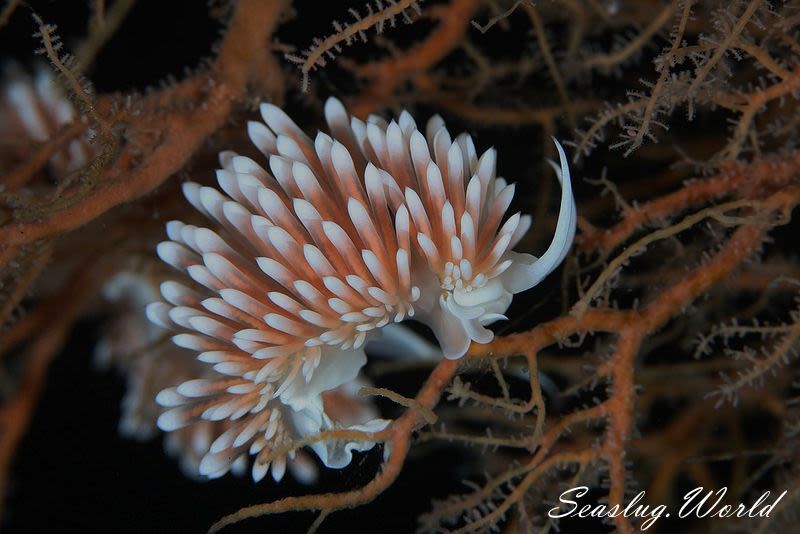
(464,265)
(133,345)
(308,257)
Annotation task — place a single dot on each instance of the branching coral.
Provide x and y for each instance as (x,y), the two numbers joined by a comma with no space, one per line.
(671,334)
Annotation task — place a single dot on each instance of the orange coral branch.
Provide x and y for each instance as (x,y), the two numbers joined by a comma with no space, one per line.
(384,77)
(253,21)
(620,414)
(743,180)
(38,161)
